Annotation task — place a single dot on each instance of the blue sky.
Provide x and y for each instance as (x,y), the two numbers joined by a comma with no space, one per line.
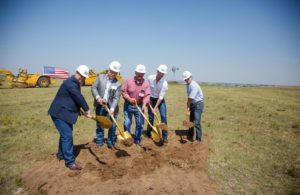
(255,42)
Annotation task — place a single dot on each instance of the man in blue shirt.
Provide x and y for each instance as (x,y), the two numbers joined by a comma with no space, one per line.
(194,105)
(64,112)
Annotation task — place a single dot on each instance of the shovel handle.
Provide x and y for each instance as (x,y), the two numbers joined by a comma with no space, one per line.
(158,121)
(156,117)
(82,114)
(114,120)
(188,114)
(188,123)
(145,117)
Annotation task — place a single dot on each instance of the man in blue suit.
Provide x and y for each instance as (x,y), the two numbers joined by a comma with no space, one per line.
(64,112)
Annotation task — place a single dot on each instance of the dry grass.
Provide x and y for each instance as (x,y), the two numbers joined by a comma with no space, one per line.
(254,134)
(255,144)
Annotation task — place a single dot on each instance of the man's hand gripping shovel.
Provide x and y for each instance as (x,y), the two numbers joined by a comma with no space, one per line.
(102,120)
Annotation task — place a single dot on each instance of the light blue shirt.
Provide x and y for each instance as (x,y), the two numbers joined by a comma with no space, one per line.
(194,91)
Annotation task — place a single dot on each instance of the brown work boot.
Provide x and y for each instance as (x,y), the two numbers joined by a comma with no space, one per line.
(74,167)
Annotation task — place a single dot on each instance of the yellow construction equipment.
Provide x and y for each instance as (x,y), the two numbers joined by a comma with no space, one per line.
(23,79)
(93,75)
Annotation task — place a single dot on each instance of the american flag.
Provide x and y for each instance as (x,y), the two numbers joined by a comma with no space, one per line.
(57,73)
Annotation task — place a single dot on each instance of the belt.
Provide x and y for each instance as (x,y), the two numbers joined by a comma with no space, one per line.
(153,98)
(197,102)
(131,103)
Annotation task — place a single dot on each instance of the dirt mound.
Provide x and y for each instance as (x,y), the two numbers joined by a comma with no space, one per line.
(180,167)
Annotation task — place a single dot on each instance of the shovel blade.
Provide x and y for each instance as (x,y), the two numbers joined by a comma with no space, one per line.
(127,135)
(156,134)
(155,137)
(158,131)
(103,121)
(125,141)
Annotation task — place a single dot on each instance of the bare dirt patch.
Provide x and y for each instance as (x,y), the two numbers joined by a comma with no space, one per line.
(180,167)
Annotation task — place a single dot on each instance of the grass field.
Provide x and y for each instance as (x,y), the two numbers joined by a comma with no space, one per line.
(254,135)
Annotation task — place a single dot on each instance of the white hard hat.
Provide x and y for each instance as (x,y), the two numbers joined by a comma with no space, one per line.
(186,75)
(163,68)
(115,66)
(140,68)
(83,70)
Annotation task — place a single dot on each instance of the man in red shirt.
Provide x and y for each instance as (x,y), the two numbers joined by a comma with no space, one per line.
(135,90)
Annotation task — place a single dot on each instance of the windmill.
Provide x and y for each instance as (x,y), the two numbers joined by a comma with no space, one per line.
(174,69)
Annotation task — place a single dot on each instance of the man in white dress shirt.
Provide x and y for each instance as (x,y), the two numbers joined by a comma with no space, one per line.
(158,89)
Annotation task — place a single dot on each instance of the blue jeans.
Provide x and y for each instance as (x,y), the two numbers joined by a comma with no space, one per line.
(163,116)
(65,146)
(196,112)
(111,138)
(130,109)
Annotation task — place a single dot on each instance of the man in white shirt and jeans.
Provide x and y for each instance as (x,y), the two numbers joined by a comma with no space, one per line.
(194,105)
(158,89)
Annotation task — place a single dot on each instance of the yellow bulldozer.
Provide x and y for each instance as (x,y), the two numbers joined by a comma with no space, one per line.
(23,79)
(92,77)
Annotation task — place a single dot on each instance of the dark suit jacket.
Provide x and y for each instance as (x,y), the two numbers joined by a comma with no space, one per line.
(68,101)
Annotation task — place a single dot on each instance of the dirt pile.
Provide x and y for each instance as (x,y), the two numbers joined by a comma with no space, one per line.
(180,167)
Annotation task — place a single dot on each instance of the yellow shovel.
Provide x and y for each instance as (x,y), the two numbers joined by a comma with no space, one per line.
(187,123)
(159,124)
(102,120)
(124,136)
(154,134)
